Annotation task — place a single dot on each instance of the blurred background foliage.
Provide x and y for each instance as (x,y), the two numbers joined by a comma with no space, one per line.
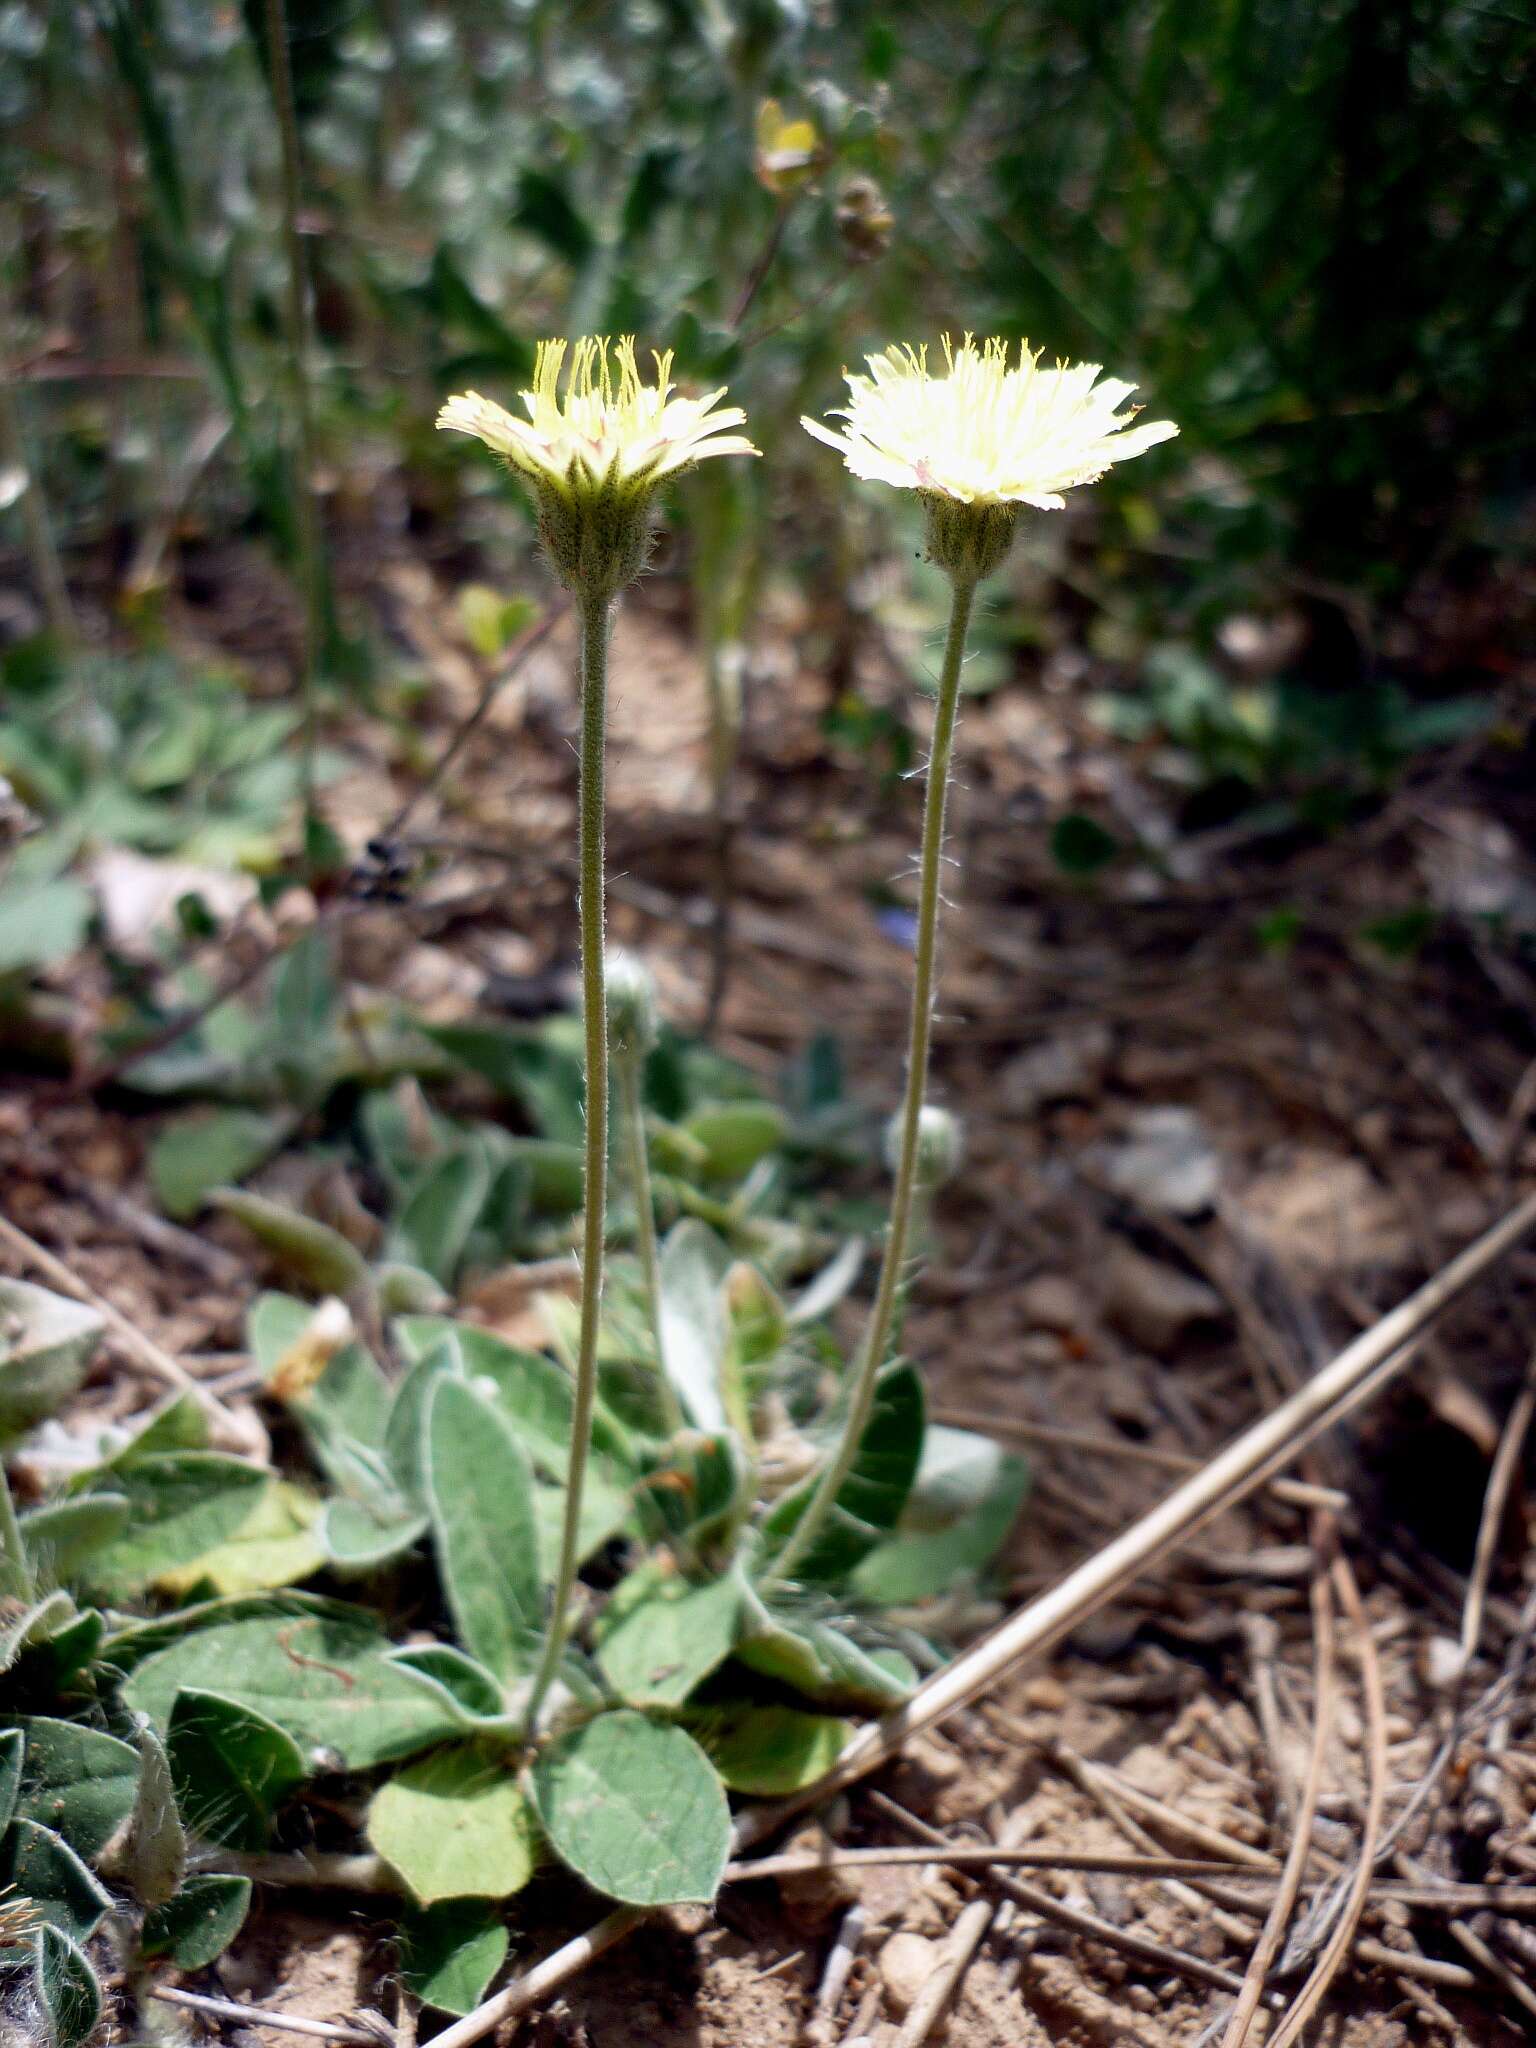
(1305,226)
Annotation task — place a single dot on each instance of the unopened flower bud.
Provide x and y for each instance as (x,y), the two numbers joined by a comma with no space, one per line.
(630,998)
(940,1145)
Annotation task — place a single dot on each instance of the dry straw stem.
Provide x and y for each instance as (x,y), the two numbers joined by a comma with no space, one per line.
(1360,1370)
(1268,1944)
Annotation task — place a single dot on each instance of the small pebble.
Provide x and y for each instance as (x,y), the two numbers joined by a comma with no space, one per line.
(906,1963)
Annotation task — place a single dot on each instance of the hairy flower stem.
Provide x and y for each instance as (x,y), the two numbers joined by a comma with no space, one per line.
(637,1162)
(15,1572)
(877,1334)
(594,612)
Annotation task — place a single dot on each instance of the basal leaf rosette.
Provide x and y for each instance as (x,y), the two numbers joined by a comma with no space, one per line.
(594,447)
(983,436)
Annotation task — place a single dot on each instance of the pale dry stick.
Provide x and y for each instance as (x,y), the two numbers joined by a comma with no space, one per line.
(1427,1969)
(1494,1965)
(834,1978)
(234,1431)
(1047,1907)
(800,1864)
(1213,1840)
(525,1992)
(1501,1477)
(1336,1950)
(1284,1903)
(1370,1362)
(259,2016)
(1361,1369)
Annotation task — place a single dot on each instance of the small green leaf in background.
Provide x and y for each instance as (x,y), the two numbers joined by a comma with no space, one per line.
(695,1327)
(964,1502)
(435,1224)
(33,1624)
(824,1666)
(231,1766)
(359,1538)
(326,1678)
(310,1253)
(736,1135)
(490,621)
(39,1865)
(636,1808)
(771,1751)
(661,1636)
(152,1859)
(67,1989)
(41,922)
(46,1344)
(1080,845)
(450,1952)
(196,1153)
(61,1536)
(875,1491)
(454,1825)
(276,1545)
(199,1923)
(474,1691)
(481,1500)
(181,1506)
(76,1781)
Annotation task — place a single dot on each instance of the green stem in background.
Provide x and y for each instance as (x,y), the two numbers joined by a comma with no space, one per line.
(627,1066)
(15,1572)
(296,325)
(877,1334)
(723,680)
(594,611)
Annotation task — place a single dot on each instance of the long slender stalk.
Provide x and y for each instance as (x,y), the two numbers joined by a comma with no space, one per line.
(296,324)
(882,1316)
(638,1166)
(594,614)
(15,1572)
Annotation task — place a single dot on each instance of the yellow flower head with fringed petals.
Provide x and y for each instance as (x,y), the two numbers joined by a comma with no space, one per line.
(594,447)
(605,421)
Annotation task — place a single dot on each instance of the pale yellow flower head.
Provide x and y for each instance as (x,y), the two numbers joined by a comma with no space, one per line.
(594,449)
(982,431)
(605,423)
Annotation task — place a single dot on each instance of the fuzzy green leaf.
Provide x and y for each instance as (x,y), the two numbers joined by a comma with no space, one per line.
(481,1500)
(232,1768)
(662,1636)
(771,1751)
(313,1254)
(449,1953)
(208,1149)
(636,1808)
(182,1505)
(76,1781)
(39,1865)
(196,1926)
(454,1825)
(60,1537)
(67,1989)
(324,1677)
(153,1857)
(46,1343)
(435,1224)
(874,1493)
